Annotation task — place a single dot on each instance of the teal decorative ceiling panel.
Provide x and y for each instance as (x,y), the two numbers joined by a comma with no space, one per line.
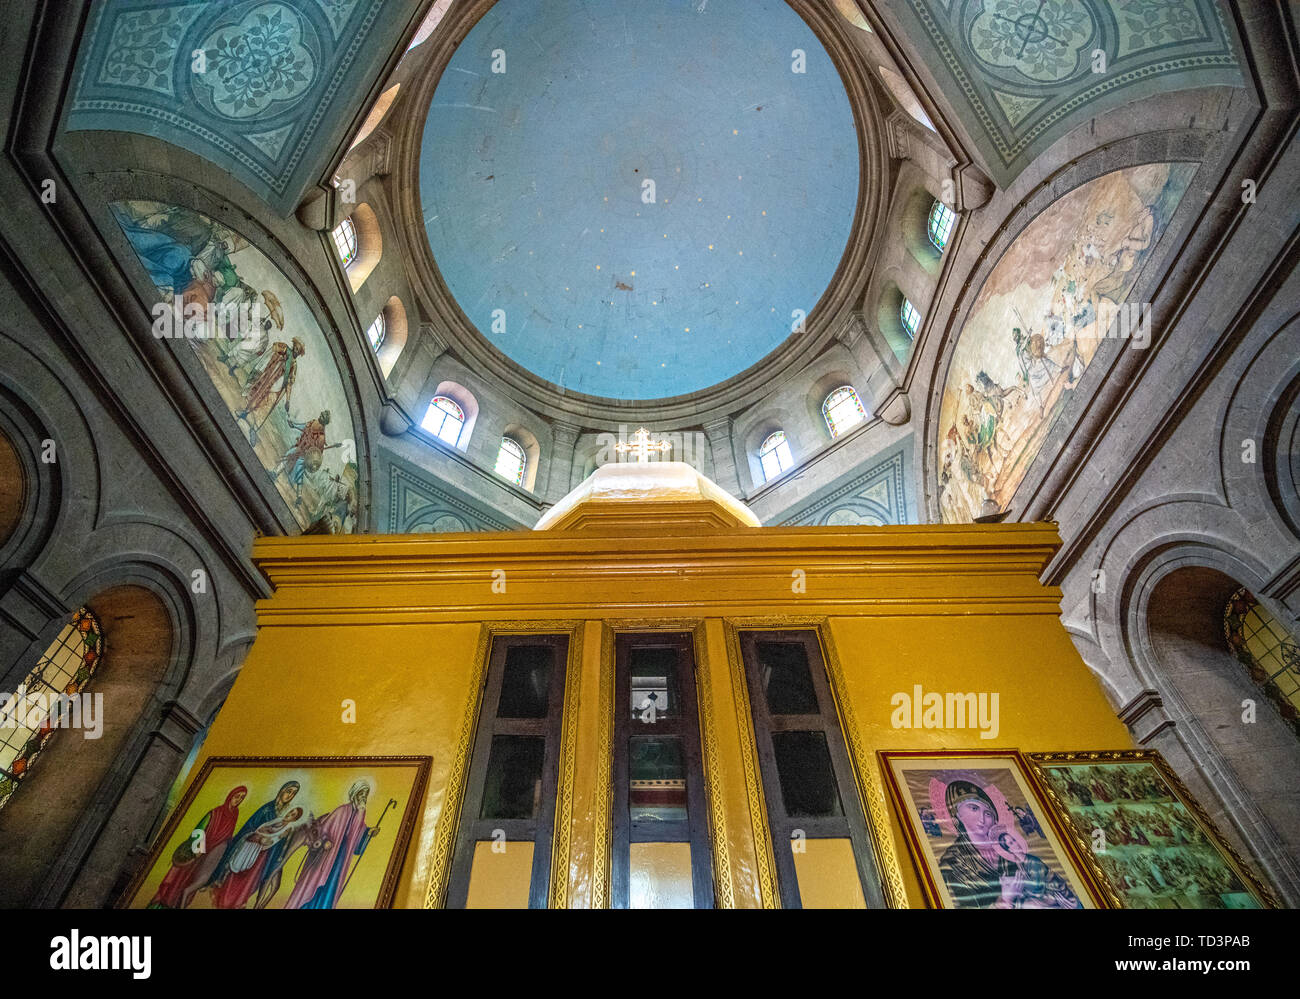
(1024,72)
(259,87)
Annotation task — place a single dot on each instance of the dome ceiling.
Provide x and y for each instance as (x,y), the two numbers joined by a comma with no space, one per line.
(641,204)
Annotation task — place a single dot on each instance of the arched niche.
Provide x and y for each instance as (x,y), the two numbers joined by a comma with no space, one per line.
(67,783)
(1184,632)
(821,389)
(526,439)
(370,245)
(395,334)
(889,320)
(913,224)
(468,403)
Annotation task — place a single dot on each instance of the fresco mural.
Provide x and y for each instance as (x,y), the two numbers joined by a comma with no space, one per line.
(263,350)
(1037,324)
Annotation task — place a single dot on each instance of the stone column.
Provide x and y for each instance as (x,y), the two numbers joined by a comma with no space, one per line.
(724,456)
(564,437)
(415,372)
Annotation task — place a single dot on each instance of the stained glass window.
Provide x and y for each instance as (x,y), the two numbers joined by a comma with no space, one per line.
(911,318)
(47,699)
(842,409)
(345,241)
(511,461)
(1267,650)
(774,455)
(444,419)
(942,219)
(378,329)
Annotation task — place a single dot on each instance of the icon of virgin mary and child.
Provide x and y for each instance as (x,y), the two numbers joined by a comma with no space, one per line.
(989,865)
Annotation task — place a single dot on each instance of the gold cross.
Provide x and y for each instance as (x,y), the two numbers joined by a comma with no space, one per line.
(643,445)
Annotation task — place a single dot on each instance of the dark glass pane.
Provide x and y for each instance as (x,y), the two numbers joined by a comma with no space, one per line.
(786,679)
(526,681)
(657,779)
(654,684)
(803,764)
(513,787)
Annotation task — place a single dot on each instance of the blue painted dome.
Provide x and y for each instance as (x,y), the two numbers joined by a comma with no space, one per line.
(646,194)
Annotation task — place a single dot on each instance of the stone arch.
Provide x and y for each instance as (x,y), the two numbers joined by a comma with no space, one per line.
(1262,415)
(1204,688)
(1183,693)
(58,829)
(370,245)
(396,331)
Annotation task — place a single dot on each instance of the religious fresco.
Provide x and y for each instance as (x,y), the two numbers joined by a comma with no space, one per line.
(263,350)
(1022,73)
(1037,323)
(286,834)
(980,835)
(243,83)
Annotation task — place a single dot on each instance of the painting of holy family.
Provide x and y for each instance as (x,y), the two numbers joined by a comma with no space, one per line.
(286,833)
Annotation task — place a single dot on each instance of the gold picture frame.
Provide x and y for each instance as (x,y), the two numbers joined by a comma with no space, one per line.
(1146,846)
(980,834)
(219,849)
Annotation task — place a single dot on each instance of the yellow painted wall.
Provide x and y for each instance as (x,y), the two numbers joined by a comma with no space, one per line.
(400,625)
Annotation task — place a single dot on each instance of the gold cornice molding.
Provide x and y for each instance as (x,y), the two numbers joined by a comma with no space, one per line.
(835,308)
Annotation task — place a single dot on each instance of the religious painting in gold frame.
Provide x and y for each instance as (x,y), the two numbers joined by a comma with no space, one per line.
(980,835)
(286,832)
(1146,839)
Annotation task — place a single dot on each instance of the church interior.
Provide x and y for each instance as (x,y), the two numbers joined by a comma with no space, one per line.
(650,454)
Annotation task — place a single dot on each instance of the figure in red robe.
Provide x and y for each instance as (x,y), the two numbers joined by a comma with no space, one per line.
(217,825)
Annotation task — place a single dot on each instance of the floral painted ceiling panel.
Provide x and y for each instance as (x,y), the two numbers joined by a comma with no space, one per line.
(260,87)
(1022,73)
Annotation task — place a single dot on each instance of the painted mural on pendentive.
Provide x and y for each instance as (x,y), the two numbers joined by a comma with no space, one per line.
(261,347)
(1037,323)
(295,835)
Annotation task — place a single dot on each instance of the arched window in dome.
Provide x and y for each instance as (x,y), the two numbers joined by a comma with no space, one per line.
(842,410)
(377,331)
(511,461)
(910,317)
(939,228)
(345,241)
(444,419)
(65,669)
(1269,652)
(774,455)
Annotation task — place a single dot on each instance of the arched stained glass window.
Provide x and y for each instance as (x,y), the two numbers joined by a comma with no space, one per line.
(511,461)
(842,409)
(910,317)
(774,455)
(444,419)
(345,241)
(47,698)
(1267,650)
(942,219)
(378,330)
